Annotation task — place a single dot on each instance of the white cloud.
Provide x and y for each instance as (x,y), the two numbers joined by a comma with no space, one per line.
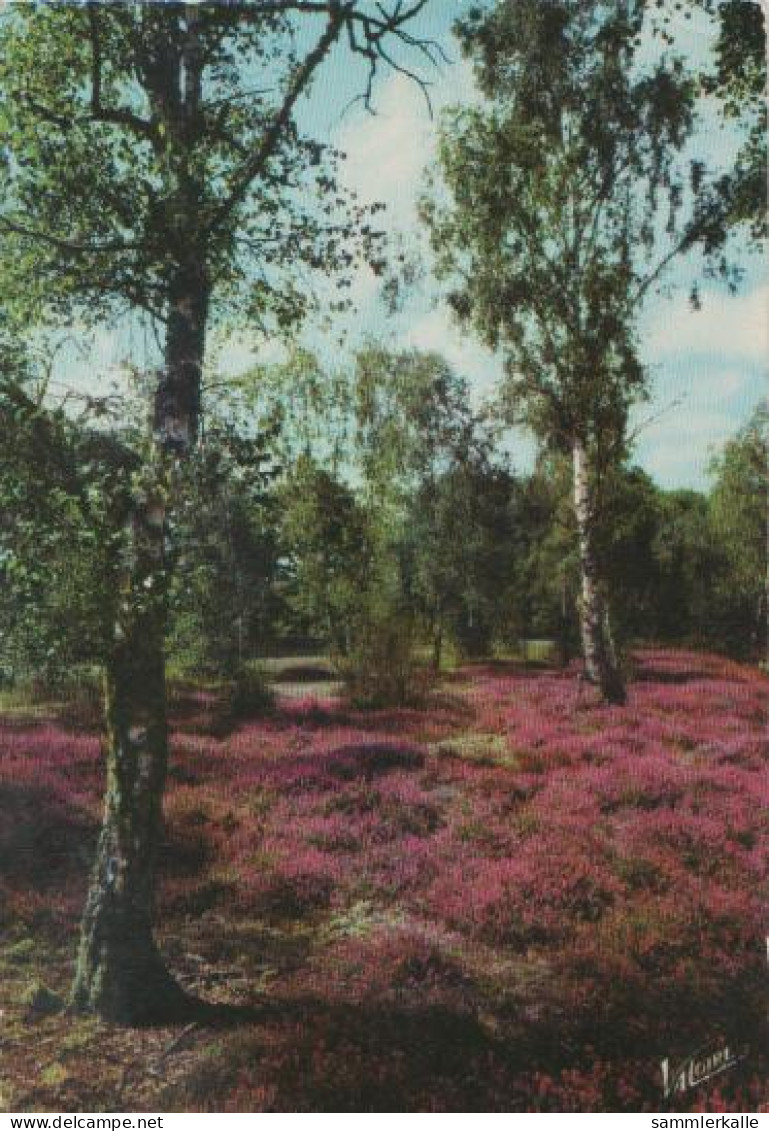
(239,352)
(436,331)
(710,367)
(732,328)
(677,447)
(387,152)
(92,362)
(730,383)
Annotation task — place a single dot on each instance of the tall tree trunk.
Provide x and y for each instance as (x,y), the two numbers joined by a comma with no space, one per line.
(437,647)
(177,399)
(600,658)
(564,642)
(120,974)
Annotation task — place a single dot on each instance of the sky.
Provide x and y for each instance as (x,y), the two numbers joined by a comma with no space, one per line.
(707,369)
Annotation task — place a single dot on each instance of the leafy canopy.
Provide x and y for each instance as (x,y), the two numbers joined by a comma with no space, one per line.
(559,201)
(141,138)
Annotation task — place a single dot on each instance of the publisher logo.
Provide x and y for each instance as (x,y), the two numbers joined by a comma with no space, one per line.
(708,1061)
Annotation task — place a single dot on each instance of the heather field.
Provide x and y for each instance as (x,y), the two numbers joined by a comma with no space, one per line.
(514,898)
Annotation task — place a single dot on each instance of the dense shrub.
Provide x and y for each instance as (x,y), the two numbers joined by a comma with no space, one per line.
(381,669)
(248,694)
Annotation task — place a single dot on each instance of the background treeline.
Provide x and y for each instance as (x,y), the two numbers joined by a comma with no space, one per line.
(374,515)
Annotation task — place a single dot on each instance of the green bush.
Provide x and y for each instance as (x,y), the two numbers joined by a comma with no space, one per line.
(249,695)
(381,668)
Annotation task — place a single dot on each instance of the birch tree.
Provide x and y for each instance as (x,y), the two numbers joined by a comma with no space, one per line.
(153,161)
(557,204)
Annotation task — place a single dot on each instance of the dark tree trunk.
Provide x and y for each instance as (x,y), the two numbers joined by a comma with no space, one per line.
(120,974)
(177,401)
(760,631)
(437,647)
(600,658)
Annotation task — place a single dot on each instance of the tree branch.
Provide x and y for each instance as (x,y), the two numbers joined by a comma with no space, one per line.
(696,231)
(61,121)
(53,443)
(99,112)
(257,163)
(650,420)
(63,243)
(367,35)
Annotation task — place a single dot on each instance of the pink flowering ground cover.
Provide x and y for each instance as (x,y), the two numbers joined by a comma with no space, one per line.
(513,899)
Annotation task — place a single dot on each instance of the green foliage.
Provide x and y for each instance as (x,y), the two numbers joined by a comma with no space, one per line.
(547,574)
(738,80)
(249,694)
(544,212)
(744,34)
(683,567)
(139,142)
(557,205)
(739,502)
(327,537)
(64,492)
(739,517)
(306,409)
(225,552)
(381,668)
(152,162)
(412,419)
(437,506)
(628,525)
(462,544)
(347,587)
(687,565)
